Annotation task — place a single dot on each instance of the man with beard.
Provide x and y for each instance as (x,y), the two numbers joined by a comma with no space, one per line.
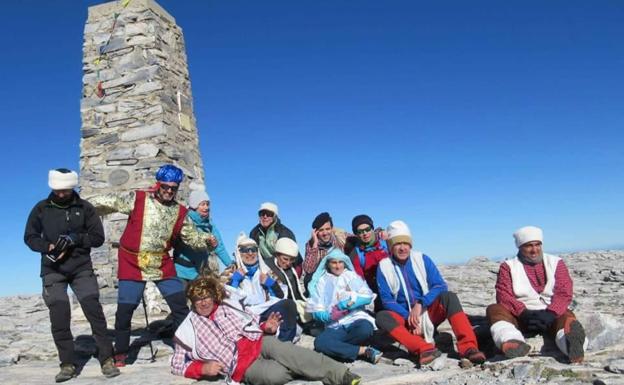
(324,237)
(155,221)
(63,228)
(533,295)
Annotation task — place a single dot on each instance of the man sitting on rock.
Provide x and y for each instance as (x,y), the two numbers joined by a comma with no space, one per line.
(416,299)
(533,293)
(324,238)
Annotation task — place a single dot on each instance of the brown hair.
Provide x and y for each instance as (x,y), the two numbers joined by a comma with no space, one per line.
(206,286)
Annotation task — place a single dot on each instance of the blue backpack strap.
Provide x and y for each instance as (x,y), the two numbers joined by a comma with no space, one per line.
(384,245)
(361,256)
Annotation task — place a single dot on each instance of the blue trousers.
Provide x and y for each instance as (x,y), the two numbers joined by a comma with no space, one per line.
(288,310)
(343,343)
(128,298)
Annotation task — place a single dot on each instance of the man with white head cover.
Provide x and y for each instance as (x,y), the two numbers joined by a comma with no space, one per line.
(416,299)
(533,295)
(63,228)
(338,300)
(260,292)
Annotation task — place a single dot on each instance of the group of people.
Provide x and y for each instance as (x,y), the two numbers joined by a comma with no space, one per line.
(248,310)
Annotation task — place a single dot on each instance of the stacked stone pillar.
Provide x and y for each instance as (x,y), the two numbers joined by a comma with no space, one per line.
(137,111)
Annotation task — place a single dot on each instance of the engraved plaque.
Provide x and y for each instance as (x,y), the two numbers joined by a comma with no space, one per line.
(118,177)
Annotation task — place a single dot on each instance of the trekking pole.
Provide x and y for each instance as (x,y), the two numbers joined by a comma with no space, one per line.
(153,356)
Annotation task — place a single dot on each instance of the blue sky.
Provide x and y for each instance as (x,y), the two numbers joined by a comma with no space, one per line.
(465,119)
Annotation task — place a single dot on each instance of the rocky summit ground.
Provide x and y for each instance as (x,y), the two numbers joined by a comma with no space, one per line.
(28,355)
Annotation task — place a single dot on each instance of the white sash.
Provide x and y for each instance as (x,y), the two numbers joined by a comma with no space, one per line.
(396,282)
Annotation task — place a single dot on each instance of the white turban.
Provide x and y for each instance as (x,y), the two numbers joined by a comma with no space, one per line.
(528,234)
(62,179)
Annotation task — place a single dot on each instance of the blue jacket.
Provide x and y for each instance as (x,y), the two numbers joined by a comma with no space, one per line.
(435,284)
(197,258)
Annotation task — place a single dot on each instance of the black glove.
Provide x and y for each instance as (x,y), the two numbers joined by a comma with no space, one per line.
(546,318)
(526,316)
(537,321)
(73,237)
(63,243)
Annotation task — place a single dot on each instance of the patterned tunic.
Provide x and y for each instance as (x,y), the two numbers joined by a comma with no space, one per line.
(562,294)
(146,241)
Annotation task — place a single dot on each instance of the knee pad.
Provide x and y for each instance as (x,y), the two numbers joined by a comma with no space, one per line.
(123,316)
(451,303)
(385,321)
(177,304)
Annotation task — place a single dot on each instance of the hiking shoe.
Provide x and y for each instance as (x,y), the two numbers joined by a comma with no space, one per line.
(351,378)
(68,371)
(515,348)
(120,359)
(475,356)
(372,355)
(109,369)
(428,356)
(575,339)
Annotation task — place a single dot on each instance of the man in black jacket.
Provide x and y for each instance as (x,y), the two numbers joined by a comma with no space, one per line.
(63,228)
(268,230)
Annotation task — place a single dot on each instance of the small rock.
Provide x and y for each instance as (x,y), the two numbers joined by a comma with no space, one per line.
(8,358)
(439,363)
(402,362)
(615,366)
(465,363)
(521,371)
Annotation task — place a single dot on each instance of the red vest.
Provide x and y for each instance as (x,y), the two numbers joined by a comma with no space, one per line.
(130,243)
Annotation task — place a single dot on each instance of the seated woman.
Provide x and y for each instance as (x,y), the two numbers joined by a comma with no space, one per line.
(337,299)
(218,339)
(260,293)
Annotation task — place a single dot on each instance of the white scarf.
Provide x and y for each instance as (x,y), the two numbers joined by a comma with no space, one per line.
(393,276)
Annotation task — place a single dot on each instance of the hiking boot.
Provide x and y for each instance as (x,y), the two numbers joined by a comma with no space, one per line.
(515,348)
(109,369)
(475,356)
(428,356)
(120,359)
(351,378)
(68,371)
(575,339)
(372,355)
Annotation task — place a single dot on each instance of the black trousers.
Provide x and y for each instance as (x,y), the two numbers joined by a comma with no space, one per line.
(84,285)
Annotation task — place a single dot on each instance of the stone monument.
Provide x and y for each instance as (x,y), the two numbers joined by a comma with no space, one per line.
(137,111)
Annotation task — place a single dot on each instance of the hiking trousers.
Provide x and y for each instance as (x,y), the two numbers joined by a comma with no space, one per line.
(505,327)
(85,287)
(281,362)
(288,310)
(343,342)
(445,306)
(129,297)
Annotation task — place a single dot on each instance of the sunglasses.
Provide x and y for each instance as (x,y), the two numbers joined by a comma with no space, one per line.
(167,187)
(265,213)
(244,250)
(363,231)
